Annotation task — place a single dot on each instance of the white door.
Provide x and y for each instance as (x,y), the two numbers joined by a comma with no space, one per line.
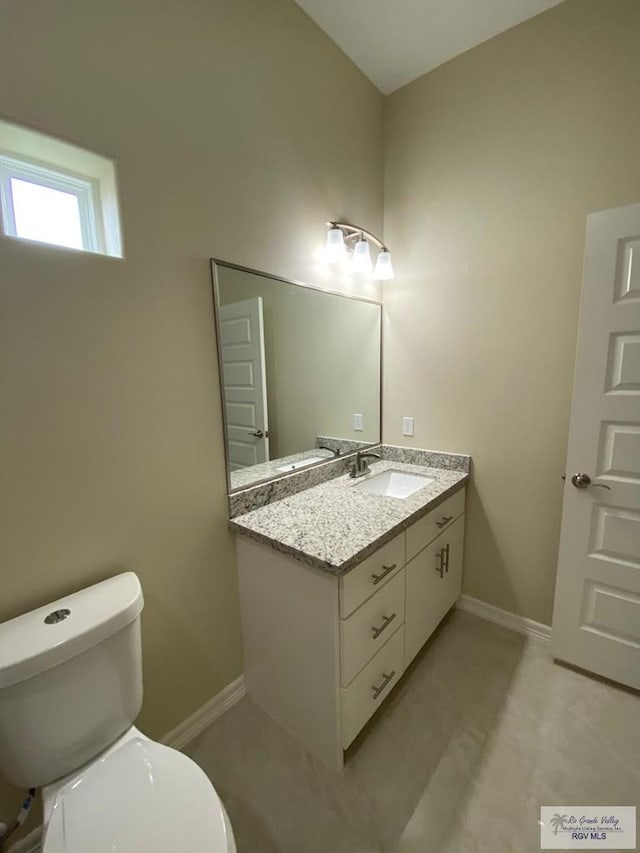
(245,384)
(596,617)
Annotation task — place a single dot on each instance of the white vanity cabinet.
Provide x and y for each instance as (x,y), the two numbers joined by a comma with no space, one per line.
(323,651)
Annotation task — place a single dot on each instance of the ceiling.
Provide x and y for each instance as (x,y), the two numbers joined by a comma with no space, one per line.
(395,41)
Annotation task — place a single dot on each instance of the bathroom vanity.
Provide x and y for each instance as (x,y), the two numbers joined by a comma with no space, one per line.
(342,580)
(340,588)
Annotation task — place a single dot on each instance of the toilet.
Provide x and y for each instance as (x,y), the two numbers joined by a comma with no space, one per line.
(70,691)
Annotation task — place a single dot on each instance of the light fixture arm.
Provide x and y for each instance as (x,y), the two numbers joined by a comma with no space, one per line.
(354,232)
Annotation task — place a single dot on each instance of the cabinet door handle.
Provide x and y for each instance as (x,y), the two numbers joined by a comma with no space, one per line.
(440,567)
(446,558)
(387,569)
(444,520)
(385,681)
(386,621)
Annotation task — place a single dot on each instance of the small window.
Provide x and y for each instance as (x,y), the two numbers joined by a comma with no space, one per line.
(69,200)
(51,207)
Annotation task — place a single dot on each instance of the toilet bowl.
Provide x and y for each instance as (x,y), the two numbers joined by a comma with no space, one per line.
(139,795)
(70,689)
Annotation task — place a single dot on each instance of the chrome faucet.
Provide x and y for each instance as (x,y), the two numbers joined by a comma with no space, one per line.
(359,467)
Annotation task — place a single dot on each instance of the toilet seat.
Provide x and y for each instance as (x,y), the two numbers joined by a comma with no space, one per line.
(138,798)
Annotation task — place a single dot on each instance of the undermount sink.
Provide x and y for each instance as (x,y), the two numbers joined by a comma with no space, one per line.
(394,484)
(302,463)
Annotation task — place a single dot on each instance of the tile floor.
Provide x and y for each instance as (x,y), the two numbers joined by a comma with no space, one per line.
(483,729)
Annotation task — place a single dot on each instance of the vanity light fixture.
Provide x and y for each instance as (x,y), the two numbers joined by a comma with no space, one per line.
(335,249)
(361,258)
(384,268)
(344,238)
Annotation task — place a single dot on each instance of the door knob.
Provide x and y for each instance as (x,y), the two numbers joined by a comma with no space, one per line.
(258,433)
(583,481)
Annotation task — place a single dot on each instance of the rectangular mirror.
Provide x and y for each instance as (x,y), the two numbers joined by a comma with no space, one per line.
(300,373)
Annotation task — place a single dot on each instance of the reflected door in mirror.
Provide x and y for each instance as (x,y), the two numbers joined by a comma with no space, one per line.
(244,380)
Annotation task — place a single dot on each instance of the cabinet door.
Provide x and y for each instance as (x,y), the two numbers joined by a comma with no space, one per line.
(454,545)
(433,583)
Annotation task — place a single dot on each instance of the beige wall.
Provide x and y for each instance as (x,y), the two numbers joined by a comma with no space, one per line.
(322,355)
(492,163)
(238,129)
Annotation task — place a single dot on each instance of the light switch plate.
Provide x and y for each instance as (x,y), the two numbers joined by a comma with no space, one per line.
(358,423)
(407,426)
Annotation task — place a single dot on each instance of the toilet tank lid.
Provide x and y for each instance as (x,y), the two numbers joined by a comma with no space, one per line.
(56,632)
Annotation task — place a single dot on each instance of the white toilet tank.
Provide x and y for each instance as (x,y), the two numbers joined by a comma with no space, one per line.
(70,680)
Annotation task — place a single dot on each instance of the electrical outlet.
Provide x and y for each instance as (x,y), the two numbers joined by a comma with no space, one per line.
(407,426)
(358,423)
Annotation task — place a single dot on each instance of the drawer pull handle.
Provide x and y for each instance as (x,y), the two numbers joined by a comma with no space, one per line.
(385,681)
(444,520)
(377,578)
(386,621)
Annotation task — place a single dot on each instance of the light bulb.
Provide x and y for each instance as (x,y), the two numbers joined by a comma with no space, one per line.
(335,248)
(384,268)
(361,258)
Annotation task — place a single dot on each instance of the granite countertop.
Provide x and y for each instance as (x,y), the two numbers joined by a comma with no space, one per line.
(335,525)
(266,470)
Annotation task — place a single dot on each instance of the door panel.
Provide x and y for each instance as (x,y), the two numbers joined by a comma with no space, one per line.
(619,455)
(628,272)
(615,535)
(612,613)
(624,364)
(596,619)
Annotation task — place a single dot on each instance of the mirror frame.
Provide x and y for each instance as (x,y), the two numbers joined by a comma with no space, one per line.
(216,263)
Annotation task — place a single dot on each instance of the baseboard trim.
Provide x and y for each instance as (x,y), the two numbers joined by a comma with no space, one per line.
(177,738)
(520,624)
(29,844)
(194,725)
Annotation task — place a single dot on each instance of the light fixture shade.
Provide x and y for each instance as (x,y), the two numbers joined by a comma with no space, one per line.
(361,258)
(384,268)
(335,249)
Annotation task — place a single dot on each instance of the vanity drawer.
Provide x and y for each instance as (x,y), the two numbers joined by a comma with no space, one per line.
(426,529)
(368,629)
(369,689)
(368,577)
